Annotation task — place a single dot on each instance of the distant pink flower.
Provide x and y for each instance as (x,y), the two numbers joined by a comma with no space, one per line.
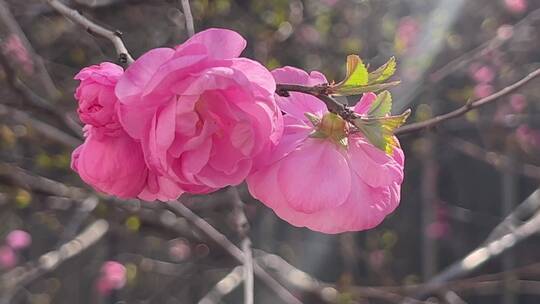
(110,160)
(483,90)
(505,31)
(484,74)
(528,138)
(8,258)
(317,182)
(518,102)
(14,47)
(204,117)
(516,6)
(407,32)
(112,277)
(18,239)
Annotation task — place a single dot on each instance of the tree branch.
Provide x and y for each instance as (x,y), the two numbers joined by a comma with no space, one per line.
(179,208)
(15,279)
(188,16)
(114,37)
(503,237)
(467,107)
(40,127)
(321,92)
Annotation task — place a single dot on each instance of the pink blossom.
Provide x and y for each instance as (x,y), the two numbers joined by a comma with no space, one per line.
(18,239)
(13,46)
(112,277)
(204,117)
(516,6)
(407,32)
(110,160)
(97,102)
(319,183)
(518,102)
(484,74)
(528,138)
(483,90)
(8,259)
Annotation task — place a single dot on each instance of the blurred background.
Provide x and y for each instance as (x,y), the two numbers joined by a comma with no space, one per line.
(462,178)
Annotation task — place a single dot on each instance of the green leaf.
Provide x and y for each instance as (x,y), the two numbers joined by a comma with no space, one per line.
(379,131)
(383,72)
(347,91)
(381,106)
(357,73)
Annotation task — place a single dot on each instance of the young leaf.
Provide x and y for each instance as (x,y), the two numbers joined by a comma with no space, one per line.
(383,72)
(357,73)
(379,131)
(381,106)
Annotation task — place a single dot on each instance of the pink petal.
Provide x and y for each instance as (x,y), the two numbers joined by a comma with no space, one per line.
(374,166)
(363,105)
(315,177)
(220,43)
(140,72)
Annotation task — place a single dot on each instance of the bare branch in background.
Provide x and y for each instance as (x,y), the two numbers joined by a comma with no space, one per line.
(34,99)
(40,127)
(225,286)
(486,47)
(11,23)
(499,161)
(15,279)
(180,209)
(188,16)
(114,37)
(241,224)
(430,123)
(522,223)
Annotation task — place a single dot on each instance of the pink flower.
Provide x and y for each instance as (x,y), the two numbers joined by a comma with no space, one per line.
(406,33)
(13,46)
(518,102)
(320,183)
(113,277)
(8,259)
(516,6)
(484,74)
(97,102)
(528,138)
(205,117)
(110,160)
(483,90)
(18,239)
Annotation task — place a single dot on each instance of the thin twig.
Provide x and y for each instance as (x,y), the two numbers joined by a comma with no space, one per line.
(499,161)
(15,279)
(225,286)
(220,239)
(467,107)
(40,127)
(504,236)
(11,23)
(188,16)
(34,99)
(321,92)
(241,226)
(114,37)
(248,271)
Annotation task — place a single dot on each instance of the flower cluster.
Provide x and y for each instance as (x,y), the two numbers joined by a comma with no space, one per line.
(197,118)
